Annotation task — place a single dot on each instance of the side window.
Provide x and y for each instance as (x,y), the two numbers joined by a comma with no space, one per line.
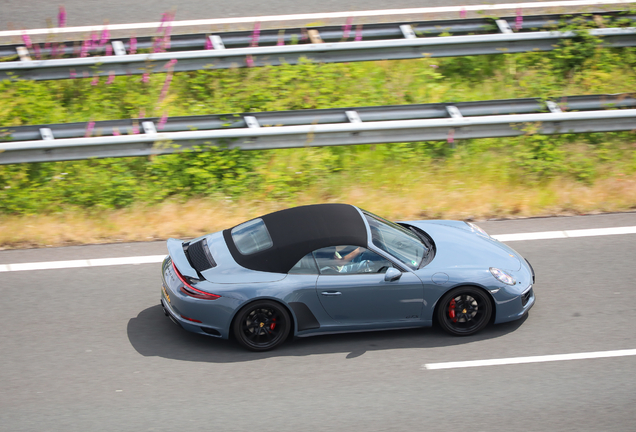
(347,259)
(306,265)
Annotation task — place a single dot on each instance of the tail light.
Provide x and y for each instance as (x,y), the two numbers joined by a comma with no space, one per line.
(191,291)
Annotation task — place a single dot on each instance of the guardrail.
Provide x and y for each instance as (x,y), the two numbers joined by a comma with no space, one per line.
(320,44)
(347,126)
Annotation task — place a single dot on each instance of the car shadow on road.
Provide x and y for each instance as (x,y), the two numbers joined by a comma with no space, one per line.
(152,334)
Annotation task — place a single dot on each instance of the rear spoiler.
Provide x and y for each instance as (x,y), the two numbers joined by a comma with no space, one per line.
(175,250)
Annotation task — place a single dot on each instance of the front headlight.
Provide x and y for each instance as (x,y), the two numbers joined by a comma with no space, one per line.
(502,276)
(477,229)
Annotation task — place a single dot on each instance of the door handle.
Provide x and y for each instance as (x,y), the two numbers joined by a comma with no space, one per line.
(331,293)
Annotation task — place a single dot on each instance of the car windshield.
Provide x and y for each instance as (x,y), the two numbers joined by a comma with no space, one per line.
(396,240)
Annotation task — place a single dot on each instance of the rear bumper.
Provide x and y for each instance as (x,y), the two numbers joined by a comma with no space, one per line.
(215,319)
(214,316)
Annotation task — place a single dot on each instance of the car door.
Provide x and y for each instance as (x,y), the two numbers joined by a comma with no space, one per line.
(352,287)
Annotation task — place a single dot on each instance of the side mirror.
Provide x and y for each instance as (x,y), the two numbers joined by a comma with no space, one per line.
(392,274)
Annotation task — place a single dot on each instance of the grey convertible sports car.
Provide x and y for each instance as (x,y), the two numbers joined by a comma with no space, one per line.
(332,268)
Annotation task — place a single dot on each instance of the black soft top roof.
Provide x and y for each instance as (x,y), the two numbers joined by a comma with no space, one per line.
(297,231)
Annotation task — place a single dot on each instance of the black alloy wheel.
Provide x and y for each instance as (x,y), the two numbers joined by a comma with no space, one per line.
(464,311)
(262,325)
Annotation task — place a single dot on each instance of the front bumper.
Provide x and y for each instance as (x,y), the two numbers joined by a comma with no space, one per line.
(516,307)
(512,302)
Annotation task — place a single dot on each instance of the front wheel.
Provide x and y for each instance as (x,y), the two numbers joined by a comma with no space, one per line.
(464,311)
(262,325)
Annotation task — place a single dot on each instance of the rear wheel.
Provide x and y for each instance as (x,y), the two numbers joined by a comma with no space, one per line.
(464,311)
(262,325)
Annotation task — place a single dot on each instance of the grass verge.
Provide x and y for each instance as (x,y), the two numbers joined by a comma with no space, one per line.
(428,196)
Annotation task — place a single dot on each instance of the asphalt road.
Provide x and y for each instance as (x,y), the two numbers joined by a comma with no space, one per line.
(20,14)
(89,349)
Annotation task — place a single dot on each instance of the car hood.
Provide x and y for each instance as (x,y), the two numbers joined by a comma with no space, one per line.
(459,246)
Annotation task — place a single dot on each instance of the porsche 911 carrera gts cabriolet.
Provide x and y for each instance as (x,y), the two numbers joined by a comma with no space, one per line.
(331,268)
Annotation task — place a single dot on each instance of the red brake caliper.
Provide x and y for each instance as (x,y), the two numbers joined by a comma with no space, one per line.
(272,326)
(451,310)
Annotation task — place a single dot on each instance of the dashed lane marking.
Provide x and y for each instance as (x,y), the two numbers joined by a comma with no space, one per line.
(565,234)
(100,262)
(532,359)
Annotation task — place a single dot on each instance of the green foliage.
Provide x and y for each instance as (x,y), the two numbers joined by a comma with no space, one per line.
(578,66)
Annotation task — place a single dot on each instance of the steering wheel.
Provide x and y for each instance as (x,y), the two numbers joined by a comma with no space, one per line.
(365,266)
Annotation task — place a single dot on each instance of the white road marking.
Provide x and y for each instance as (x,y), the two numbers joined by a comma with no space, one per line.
(533,359)
(312,17)
(154,259)
(545,235)
(100,262)
(530,236)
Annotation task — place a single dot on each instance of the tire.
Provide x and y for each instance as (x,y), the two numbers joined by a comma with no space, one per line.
(261,325)
(464,311)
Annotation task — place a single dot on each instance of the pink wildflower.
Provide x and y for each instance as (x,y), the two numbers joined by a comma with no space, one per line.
(162,121)
(109,49)
(145,77)
(89,129)
(133,45)
(347,28)
(164,17)
(105,36)
(281,38)
(166,37)
(61,18)
(38,54)
(95,81)
(451,136)
(116,132)
(27,40)
(170,64)
(73,74)
(84,51)
(519,19)
(462,13)
(358,33)
(256,35)
(135,129)
(249,61)
(111,78)
(208,43)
